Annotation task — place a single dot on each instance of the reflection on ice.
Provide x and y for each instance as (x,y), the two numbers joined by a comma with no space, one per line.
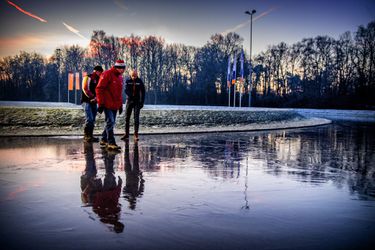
(102,195)
(230,190)
(332,153)
(134,185)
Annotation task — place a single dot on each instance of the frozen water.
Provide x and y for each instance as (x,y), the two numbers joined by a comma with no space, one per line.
(309,188)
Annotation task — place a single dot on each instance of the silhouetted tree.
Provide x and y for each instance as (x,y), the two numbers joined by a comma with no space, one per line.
(315,72)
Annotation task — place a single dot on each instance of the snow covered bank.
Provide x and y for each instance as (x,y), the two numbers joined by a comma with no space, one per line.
(331,114)
(68,120)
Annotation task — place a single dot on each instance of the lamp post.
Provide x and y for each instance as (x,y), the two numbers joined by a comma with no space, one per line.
(251,44)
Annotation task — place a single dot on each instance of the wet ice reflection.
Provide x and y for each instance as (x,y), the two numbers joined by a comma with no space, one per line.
(102,194)
(134,182)
(231,190)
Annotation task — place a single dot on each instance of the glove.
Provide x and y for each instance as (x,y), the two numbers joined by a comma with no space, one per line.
(119,181)
(140,105)
(120,110)
(100,109)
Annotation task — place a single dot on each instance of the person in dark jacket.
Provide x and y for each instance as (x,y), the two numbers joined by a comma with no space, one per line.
(109,97)
(88,99)
(135,98)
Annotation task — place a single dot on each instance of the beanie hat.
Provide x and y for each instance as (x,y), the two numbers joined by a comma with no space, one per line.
(120,64)
(98,68)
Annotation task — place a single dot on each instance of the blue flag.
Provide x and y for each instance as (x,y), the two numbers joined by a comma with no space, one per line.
(234,76)
(241,65)
(228,73)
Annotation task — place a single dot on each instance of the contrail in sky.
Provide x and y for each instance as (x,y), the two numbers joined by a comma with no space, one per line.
(121,4)
(26,12)
(248,21)
(75,31)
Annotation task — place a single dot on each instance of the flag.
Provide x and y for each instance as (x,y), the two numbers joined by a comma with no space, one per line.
(234,76)
(77,81)
(70,81)
(241,66)
(228,73)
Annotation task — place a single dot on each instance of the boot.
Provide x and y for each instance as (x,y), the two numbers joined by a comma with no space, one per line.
(86,134)
(91,133)
(103,143)
(136,137)
(125,137)
(113,146)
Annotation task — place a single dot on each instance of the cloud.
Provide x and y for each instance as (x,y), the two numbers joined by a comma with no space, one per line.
(40,43)
(26,12)
(121,4)
(241,25)
(21,41)
(75,31)
(13,45)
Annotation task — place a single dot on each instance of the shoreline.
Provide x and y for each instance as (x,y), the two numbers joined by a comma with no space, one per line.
(22,119)
(68,131)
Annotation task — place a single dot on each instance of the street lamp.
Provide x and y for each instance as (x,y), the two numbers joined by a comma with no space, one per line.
(251,44)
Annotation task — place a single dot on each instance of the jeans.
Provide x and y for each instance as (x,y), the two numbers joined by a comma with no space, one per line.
(91,110)
(110,121)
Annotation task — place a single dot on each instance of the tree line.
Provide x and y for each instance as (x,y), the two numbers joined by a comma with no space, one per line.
(315,72)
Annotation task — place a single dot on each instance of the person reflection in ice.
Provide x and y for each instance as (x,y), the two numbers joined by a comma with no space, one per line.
(90,184)
(134,186)
(102,196)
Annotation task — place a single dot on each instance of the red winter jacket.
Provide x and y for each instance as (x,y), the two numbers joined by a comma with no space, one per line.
(109,89)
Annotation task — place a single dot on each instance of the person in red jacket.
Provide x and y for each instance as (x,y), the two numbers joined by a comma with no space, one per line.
(109,98)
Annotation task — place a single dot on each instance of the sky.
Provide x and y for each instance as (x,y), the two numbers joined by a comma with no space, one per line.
(43,25)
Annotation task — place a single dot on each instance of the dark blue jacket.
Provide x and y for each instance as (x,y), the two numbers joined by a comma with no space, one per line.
(135,90)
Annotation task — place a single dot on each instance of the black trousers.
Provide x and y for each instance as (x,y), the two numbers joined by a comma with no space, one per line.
(128,112)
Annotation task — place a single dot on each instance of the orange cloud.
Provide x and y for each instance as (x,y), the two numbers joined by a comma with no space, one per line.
(26,12)
(20,42)
(41,43)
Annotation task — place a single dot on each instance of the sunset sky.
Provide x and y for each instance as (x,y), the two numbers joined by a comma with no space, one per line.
(42,26)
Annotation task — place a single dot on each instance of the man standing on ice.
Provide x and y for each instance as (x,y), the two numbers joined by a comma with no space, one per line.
(109,97)
(135,98)
(88,98)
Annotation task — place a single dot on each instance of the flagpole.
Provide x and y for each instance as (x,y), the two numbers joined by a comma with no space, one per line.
(242,81)
(251,43)
(75,95)
(229,95)
(229,84)
(234,94)
(234,79)
(70,83)
(75,86)
(58,80)
(240,95)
